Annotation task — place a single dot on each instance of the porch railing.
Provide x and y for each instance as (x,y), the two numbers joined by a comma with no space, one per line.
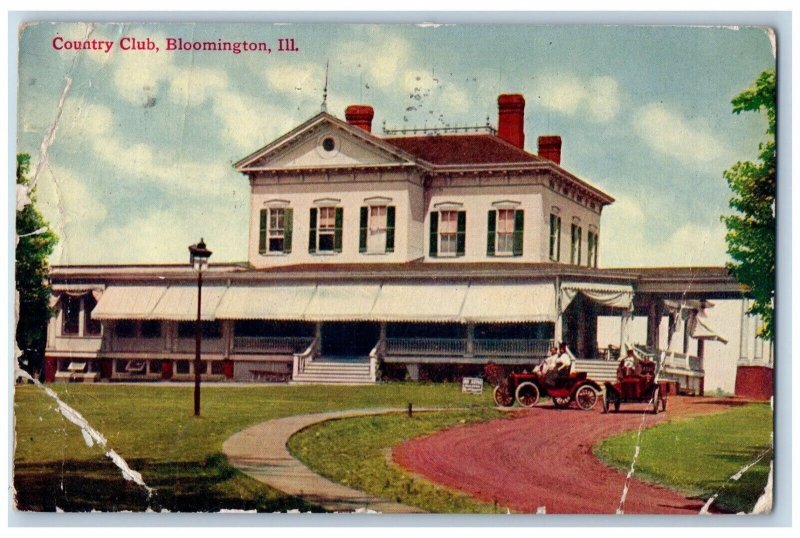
(512,347)
(300,360)
(271,344)
(506,347)
(426,346)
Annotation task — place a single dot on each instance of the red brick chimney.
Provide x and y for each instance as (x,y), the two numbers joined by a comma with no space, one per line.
(550,148)
(511,119)
(360,116)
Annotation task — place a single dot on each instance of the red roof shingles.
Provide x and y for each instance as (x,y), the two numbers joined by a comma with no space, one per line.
(462,149)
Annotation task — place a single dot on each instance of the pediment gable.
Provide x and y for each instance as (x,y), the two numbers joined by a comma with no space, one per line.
(323,141)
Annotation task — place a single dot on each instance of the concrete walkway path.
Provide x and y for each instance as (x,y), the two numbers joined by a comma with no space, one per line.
(260,452)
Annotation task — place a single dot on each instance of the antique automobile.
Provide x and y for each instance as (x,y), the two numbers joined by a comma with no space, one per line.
(526,388)
(637,386)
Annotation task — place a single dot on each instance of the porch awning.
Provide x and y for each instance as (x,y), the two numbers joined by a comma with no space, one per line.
(179,303)
(342,302)
(421,302)
(128,302)
(265,302)
(509,303)
(613,295)
(704,332)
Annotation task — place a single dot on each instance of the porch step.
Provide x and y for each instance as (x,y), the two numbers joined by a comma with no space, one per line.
(335,372)
(597,370)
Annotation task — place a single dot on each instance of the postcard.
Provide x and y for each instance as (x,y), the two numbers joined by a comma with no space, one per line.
(385,268)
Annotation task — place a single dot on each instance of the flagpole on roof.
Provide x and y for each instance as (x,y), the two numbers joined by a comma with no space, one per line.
(324,106)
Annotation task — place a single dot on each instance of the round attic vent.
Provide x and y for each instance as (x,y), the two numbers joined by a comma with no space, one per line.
(328,144)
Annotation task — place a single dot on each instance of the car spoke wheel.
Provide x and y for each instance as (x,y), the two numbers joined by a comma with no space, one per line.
(527,394)
(586,397)
(561,403)
(503,396)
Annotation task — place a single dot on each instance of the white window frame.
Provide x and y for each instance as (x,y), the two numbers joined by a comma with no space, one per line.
(377,227)
(329,230)
(276,232)
(451,236)
(504,236)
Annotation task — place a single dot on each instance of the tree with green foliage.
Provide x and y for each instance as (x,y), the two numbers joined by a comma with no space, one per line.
(751,232)
(35,243)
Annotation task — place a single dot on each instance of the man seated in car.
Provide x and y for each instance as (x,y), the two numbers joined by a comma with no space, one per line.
(547,364)
(627,366)
(561,368)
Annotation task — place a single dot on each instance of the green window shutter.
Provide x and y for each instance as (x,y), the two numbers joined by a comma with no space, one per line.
(390,229)
(558,238)
(580,239)
(519,227)
(491,233)
(287,233)
(262,233)
(573,237)
(312,231)
(596,248)
(337,231)
(461,234)
(434,236)
(552,236)
(362,231)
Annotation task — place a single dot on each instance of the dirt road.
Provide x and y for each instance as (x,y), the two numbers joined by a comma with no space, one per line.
(543,457)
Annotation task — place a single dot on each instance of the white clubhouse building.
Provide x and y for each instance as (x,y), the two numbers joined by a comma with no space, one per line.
(403,254)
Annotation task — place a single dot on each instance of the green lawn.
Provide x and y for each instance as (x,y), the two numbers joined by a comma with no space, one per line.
(356,452)
(152,427)
(699,455)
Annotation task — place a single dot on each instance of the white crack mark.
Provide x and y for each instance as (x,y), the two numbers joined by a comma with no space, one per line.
(90,435)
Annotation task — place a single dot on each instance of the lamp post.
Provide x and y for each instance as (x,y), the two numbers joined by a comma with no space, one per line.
(198,258)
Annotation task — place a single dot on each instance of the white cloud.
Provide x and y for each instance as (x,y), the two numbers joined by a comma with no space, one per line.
(381,58)
(624,242)
(249,122)
(88,119)
(65,198)
(294,77)
(669,132)
(192,86)
(596,97)
(163,236)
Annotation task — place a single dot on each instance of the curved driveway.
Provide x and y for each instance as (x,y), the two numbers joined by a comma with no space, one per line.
(543,458)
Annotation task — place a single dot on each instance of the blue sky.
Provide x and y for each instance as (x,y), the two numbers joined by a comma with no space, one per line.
(140,165)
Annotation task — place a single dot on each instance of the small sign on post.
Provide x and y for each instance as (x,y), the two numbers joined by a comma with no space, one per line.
(472,385)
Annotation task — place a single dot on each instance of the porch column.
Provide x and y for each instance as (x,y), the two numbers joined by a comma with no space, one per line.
(623,330)
(744,354)
(318,334)
(227,338)
(654,323)
(701,352)
(686,336)
(470,339)
(558,329)
(382,337)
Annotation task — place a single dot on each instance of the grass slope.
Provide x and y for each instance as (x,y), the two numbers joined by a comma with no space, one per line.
(699,455)
(355,452)
(152,427)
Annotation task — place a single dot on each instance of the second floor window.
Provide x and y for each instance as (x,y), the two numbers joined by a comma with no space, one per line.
(505,232)
(448,233)
(376,232)
(575,251)
(555,237)
(591,245)
(325,231)
(275,231)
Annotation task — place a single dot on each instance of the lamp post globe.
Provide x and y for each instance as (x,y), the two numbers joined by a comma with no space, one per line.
(198,259)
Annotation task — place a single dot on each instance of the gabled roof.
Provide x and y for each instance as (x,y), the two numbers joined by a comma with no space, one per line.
(245,164)
(463,149)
